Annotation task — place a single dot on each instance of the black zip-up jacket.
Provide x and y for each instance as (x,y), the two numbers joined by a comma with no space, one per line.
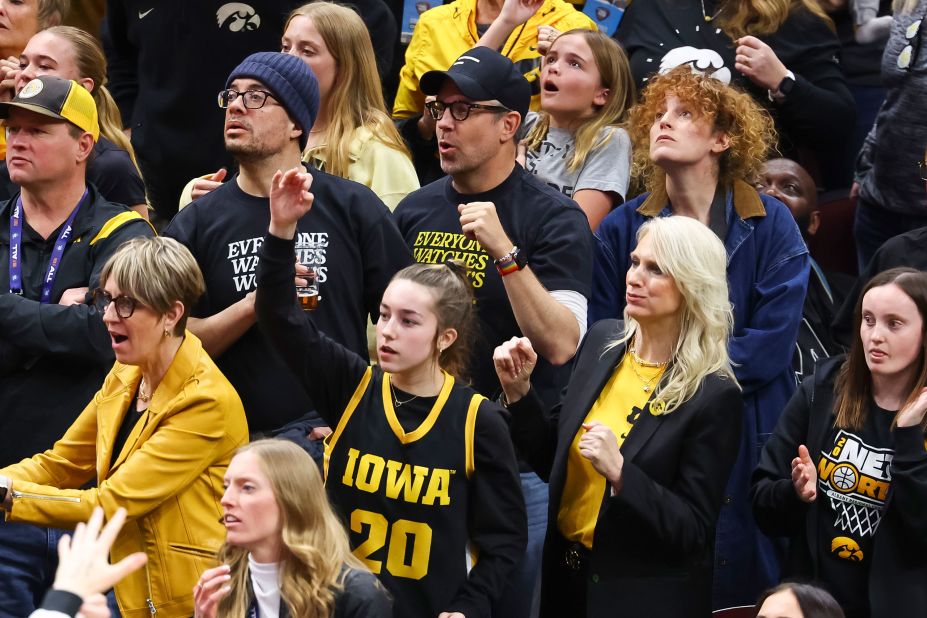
(53,358)
(898,571)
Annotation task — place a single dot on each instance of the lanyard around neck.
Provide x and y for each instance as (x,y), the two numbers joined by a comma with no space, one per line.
(16,245)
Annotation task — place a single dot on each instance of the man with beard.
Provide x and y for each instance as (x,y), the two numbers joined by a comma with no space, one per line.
(271,101)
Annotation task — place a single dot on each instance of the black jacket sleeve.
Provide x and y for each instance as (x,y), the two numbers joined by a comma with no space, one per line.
(75,330)
(681,517)
(327,370)
(909,481)
(820,107)
(363,597)
(497,521)
(776,506)
(535,433)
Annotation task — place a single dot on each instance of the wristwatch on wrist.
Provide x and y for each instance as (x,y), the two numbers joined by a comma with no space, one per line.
(783,89)
(511,262)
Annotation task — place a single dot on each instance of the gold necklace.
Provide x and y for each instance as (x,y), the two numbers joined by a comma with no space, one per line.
(640,361)
(647,382)
(142,395)
(705,15)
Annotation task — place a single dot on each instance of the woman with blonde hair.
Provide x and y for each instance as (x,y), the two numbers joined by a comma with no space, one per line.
(286,553)
(353,136)
(71,53)
(641,444)
(575,143)
(781,52)
(699,144)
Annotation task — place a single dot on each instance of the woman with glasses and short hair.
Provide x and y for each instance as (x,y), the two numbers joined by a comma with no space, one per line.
(156,438)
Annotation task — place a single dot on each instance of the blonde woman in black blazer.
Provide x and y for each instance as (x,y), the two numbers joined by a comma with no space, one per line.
(638,452)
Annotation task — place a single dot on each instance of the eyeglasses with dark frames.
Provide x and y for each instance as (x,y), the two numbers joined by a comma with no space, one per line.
(460,110)
(253,99)
(125,305)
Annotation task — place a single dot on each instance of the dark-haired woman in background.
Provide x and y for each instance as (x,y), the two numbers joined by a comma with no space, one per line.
(844,476)
(794,600)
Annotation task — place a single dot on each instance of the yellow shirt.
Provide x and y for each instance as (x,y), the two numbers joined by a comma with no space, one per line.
(584,487)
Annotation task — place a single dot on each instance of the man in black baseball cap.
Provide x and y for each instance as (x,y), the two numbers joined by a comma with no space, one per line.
(484,74)
(527,248)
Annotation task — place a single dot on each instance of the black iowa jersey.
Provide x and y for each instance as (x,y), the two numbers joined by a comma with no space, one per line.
(404,495)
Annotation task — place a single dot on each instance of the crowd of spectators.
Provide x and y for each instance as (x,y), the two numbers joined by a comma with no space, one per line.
(378,308)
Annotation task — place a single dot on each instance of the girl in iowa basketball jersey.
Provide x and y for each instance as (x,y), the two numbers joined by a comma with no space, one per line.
(844,476)
(420,467)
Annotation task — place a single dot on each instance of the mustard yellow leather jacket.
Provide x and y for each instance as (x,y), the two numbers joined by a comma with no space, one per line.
(168,476)
(445,32)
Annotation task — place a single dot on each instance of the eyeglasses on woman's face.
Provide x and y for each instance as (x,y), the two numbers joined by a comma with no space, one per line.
(125,305)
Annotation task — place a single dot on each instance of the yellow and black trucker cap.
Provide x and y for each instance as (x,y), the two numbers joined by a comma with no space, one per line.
(57,98)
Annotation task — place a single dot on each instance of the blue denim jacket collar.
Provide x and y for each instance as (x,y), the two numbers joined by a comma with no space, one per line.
(743,200)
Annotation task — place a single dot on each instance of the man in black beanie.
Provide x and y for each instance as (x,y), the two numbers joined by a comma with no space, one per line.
(271,100)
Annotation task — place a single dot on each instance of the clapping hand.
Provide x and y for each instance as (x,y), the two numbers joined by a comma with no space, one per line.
(290,200)
(514,361)
(210,590)
(804,475)
(913,413)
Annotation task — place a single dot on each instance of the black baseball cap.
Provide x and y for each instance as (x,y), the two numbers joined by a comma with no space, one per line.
(483,74)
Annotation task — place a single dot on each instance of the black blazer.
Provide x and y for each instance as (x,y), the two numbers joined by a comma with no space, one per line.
(653,546)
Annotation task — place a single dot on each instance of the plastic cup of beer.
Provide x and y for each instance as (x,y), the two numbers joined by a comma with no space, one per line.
(308,295)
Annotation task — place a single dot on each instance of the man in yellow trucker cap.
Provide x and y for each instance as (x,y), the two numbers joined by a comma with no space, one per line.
(55,236)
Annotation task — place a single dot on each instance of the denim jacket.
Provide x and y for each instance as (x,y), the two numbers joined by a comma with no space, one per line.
(767,271)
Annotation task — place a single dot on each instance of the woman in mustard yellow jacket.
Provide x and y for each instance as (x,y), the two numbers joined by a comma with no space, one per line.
(157,437)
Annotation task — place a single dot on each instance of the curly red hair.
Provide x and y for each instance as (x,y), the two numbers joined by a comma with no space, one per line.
(749,127)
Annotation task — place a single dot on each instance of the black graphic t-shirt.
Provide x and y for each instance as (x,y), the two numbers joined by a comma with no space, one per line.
(549,227)
(351,240)
(854,482)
